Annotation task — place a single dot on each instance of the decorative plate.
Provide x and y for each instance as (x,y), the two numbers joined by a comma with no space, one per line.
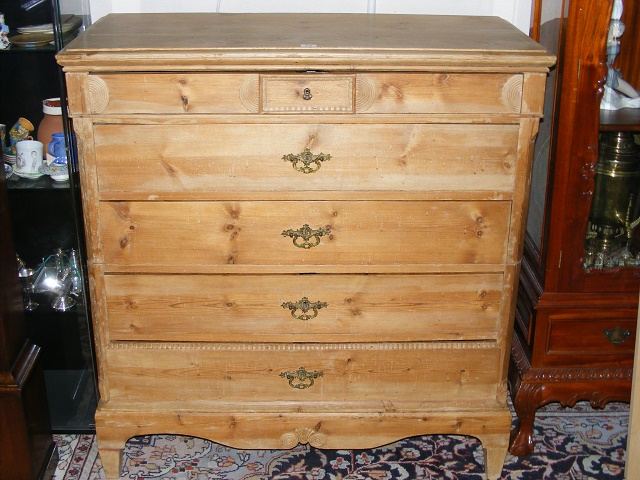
(53,169)
(31,39)
(69,22)
(58,173)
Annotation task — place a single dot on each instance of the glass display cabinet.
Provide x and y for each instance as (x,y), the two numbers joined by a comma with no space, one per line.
(44,204)
(577,303)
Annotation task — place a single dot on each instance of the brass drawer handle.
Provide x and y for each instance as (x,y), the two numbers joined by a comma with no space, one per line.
(617,335)
(303,379)
(306,94)
(305,306)
(310,163)
(310,238)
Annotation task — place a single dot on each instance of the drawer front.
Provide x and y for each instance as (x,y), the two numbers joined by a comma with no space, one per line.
(604,336)
(294,308)
(395,372)
(170,93)
(307,94)
(304,233)
(392,93)
(250,93)
(152,159)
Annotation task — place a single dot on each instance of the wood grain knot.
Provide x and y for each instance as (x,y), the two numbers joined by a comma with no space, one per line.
(512,93)
(98,94)
(303,435)
(249,93)
(366,93)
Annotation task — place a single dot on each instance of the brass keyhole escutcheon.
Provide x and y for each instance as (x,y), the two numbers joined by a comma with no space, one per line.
(306,94)
(301,378)
(304,306)
(306,162)
(306,237)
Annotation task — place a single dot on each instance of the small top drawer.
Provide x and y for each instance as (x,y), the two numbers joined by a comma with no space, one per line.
(164,93)
(307,94)
(439,93)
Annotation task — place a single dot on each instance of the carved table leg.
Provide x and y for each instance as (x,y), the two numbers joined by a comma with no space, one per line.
(566,386)
(522,437)
(526,402)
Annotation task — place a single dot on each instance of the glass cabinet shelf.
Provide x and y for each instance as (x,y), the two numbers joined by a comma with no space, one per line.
(625,119)
(45,214)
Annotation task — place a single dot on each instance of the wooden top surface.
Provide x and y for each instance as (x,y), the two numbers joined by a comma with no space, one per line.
(330,41)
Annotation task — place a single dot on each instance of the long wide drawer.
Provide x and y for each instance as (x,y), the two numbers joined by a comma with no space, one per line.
(303,308)
(211,93)
(304,233)
(156,159)
(442,372)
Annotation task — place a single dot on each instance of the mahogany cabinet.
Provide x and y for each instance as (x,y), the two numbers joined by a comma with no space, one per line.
(575,322)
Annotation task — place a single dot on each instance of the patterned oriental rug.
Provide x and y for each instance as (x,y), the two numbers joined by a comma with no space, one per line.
(577,443)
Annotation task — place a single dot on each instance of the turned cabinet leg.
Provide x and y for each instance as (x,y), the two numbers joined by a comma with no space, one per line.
(111,462)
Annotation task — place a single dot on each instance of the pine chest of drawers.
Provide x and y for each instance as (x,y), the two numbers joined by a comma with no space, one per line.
(303,228)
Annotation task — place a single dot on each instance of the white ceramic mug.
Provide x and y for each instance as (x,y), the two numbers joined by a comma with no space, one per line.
(28,156)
